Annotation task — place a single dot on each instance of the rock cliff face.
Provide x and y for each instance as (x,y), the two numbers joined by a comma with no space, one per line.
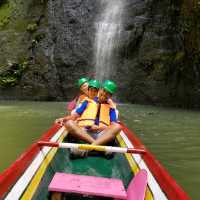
(162,53)
(52,47)
(47,45)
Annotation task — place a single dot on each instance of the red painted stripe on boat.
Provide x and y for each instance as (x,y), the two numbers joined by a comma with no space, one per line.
(166,182)
(11,174)
(135,150)
(48,144)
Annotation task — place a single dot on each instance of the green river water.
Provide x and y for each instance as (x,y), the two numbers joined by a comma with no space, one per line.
(172,135)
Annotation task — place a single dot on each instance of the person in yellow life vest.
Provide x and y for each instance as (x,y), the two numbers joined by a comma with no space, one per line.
(93,88)
(94,121)
(83,93)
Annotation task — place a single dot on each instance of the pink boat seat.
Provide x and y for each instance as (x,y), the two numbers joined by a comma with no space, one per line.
(88,185)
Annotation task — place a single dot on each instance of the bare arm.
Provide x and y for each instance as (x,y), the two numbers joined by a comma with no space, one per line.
(62,120)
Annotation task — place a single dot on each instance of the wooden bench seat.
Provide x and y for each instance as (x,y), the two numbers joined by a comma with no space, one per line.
(87,185)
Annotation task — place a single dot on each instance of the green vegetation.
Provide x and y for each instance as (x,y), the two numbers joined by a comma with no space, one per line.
(18,19)
(5,12)
(21,25)
(32,27)
(4,22)
(11,76)
(179,56)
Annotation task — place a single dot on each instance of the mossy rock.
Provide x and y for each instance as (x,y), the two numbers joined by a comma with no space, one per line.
(179,56)
(4,22)
(5,12)
(158,72)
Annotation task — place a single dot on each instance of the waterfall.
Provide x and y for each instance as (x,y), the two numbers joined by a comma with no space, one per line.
(108,29)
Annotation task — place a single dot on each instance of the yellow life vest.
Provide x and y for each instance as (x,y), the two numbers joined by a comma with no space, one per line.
(90,113)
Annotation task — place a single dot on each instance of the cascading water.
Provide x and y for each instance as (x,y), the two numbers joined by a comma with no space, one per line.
(108,29)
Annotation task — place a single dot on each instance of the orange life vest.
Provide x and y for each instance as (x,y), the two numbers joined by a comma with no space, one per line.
(104,116)
(81,98)
(90,113)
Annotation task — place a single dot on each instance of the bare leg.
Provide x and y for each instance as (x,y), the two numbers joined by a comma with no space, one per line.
(78,132)
(108,134)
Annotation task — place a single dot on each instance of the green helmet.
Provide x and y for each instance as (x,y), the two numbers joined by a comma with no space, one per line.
(109,86)
(81,81)
(94,84)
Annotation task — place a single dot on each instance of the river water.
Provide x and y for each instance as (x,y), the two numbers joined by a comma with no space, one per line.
(172,135)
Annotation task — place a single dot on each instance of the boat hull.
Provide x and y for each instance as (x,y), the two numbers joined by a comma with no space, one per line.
(30,175)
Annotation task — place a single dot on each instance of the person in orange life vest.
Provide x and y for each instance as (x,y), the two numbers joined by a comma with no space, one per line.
(113,105)
(96,120)
(83,93)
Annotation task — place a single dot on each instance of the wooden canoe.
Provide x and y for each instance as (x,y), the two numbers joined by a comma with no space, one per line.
(30,175)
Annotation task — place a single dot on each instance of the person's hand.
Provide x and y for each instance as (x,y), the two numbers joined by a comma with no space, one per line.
(94,128)
(60,121)
(111,103)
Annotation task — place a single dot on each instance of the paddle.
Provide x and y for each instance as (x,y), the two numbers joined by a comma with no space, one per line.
(91,147)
